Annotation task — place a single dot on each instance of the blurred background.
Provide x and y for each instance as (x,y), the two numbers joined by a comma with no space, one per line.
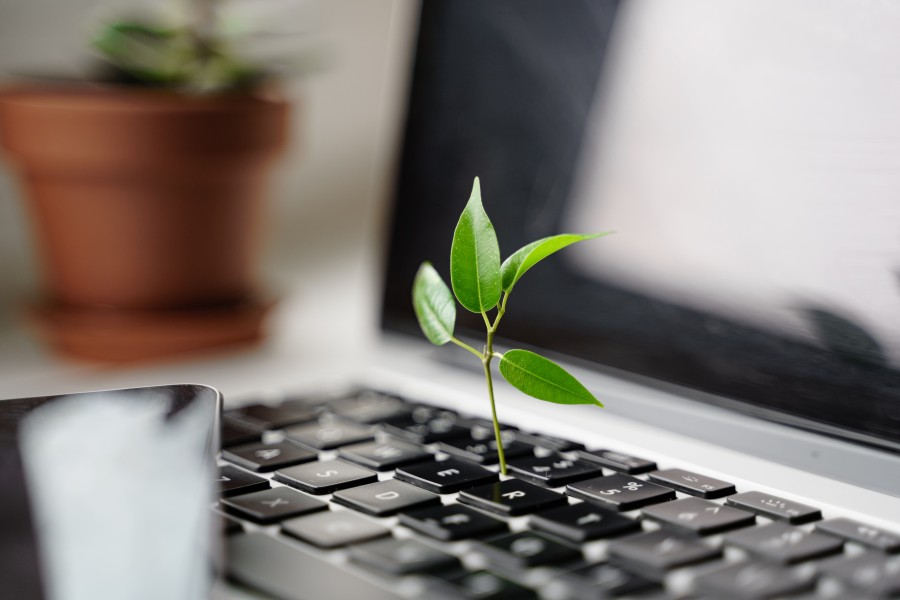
(755,142)
(327,193)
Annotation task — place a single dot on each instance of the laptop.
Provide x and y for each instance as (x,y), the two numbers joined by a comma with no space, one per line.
(750,442)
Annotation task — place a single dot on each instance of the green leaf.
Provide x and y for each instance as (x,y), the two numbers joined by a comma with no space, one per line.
(543,379)
(434,305)
(475,257)
(526,257)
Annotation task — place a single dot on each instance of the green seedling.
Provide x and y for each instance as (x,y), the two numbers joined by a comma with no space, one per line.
(483,285)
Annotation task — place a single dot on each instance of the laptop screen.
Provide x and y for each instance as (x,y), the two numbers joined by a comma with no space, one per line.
(755,258)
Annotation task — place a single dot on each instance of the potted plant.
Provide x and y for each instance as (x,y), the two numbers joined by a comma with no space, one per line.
(145,185)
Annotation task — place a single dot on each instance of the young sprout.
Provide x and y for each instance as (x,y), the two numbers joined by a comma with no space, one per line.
(483,285)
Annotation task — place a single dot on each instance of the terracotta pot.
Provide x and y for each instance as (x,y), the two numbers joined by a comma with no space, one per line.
(147,208)
(143,199)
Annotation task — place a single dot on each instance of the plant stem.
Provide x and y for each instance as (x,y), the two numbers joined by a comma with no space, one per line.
(486,362)
(490,385)
(500,312)
(465,346)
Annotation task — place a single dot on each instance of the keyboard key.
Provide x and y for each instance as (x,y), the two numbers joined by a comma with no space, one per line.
(277,567)
(272,505)
(600,581)
(556,444)
(630,465)
(385,498)
(311,401)
(445,477)
(854,531)
(402,557)
(426,425)
(484,586)
(384,456)
(655,552)
(873,573)
(583,522)
(333,529)
(483,429)
(329,434)
(775,508)
(692,483)
(511,497)
(780,543)
(754,580)
(701,517)
(553,470)
(325,476)
(424,412)
(525,549)
(268,457)
(484,451)
(369,407)
(452,522)
(233,481)
(264,417)
(234,433)
(620,492)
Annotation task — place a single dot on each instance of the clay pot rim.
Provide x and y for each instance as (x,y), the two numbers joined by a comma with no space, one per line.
(110,98)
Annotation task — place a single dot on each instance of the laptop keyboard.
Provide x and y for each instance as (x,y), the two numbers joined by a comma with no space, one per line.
(372,496)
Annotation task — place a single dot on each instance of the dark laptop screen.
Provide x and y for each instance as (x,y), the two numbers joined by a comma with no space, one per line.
(695,295)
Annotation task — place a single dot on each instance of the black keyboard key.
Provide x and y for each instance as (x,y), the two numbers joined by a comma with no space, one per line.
(873,573)
(854,531)
(426,425)
(264,417)
(483,429)
(511,498)
(369,407)
(268,457)
(384,456)
(556,444)
(600,581)
(553,470)
(333,529)
(233,481)
(655,552)
(278,567)
(484,451)
(783,544)
(623,463)
(445,477)
(701,517)
(402,557)
(329,434)
(583,522)
(452,522)
(775,508)
(620,492)
(525,549)
(693,484)
(275,504)
(424,412)
(754,581)
(482,585)
(234,433)
(385,498)
(311,401)
(325,476)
